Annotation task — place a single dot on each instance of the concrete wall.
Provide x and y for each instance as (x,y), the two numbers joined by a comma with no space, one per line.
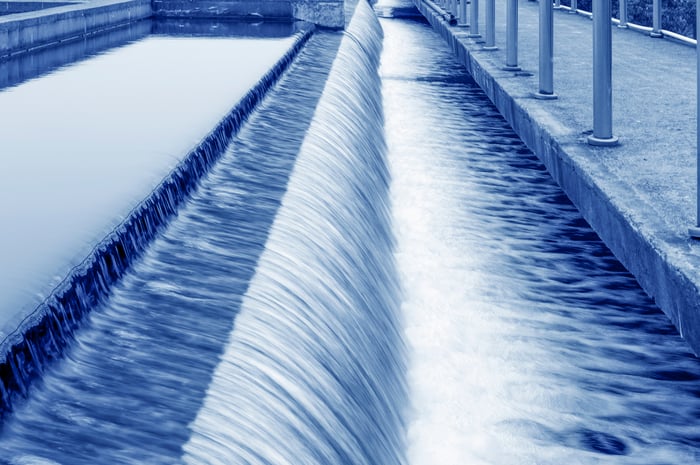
(28,31)
(326,13)
(33,30)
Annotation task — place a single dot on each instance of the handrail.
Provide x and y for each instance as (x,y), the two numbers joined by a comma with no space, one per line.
(623,23)
(602,57)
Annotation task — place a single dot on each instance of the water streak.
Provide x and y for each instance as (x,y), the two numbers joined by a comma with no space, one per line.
(529,342)
(314,369)
(41,336)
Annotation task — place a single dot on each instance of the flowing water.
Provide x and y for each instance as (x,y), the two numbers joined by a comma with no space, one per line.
(258,328)
(377,271)
(529,343)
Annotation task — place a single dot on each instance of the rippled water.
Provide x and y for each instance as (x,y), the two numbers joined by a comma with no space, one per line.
(264,325)
(138,371)
(530,343)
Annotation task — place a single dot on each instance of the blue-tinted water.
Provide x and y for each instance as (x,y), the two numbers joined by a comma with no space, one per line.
(529,342)
(138,370)
(257,318)
(323,300)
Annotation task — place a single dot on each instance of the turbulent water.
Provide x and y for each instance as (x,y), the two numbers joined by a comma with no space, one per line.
(376,272)
(529,343)
(259,328)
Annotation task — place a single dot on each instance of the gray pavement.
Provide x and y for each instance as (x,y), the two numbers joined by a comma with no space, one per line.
(638,196)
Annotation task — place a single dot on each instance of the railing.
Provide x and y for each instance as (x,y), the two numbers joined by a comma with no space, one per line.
(602,134)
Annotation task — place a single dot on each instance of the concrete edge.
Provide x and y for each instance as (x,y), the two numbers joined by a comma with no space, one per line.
(42,335)
(673,290)
(25,32)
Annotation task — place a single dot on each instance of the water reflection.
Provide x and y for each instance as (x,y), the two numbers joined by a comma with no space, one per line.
(530,342)
(32,64)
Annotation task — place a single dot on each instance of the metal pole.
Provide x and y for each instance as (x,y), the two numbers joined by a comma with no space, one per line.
(474,22)
(574,7)
(602,75)
(623,14)
(512,36)
(453,7)
(546,91)
(463,14)
(656,19)
(490,25)
(557,4)
(695,231)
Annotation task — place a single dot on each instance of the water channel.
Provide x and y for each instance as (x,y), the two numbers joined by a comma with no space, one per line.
(404,286)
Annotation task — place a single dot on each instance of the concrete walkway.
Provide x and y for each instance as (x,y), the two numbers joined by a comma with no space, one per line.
(638,196)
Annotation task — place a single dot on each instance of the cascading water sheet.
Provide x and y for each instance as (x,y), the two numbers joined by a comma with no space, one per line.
(314,369)
(136,374)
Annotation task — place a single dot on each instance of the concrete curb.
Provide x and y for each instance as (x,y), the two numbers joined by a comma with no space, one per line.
(662,265)
(44,333)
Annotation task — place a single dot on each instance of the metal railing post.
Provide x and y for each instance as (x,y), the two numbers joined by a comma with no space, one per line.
(463,14)
(490,25)
(453,7)
(574,7)
(695,230)
(546,91)
(602,75)
(557,4)
(623,14)
(474,22)
(656,20)
(512,36)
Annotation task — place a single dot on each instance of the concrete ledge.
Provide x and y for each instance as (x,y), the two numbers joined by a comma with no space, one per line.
(642,217)
(28,31)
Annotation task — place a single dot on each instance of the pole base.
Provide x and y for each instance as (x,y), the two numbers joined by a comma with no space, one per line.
(573,12)
(512,68)
(694,232)
(622,26)
(474,36)
(542,96)
(656,35)
(489,48)
(603,142)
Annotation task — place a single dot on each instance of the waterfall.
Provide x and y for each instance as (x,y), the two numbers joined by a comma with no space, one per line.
(42,335)
(315,365)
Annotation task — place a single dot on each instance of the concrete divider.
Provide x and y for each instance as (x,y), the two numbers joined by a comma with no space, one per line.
(28,31)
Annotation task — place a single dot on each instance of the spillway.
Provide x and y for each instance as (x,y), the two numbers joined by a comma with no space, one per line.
(375,271)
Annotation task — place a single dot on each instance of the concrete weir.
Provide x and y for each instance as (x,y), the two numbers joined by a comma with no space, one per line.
(31,338)
(639,195)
